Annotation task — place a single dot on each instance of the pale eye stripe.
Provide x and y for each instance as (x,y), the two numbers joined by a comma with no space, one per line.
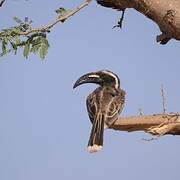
(93,75)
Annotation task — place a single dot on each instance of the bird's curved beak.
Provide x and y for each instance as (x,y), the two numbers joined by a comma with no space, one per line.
(88,78)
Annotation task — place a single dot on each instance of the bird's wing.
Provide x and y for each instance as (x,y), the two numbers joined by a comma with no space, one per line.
(115,106)
(93,103)
(92,106)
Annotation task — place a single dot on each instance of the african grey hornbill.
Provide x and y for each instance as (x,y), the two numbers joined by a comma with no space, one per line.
(103,105)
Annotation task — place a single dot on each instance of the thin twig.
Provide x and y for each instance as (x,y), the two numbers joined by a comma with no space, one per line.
(163,99)
(60,19)
(141,112)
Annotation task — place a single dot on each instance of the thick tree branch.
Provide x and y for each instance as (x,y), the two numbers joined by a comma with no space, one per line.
(60,19)
(166,13)
(157,124)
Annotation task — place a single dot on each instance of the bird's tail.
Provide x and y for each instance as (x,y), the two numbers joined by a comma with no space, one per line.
(96,137)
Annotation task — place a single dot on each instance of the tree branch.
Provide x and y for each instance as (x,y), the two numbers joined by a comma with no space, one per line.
(157,124)
(60,19)
(165,13)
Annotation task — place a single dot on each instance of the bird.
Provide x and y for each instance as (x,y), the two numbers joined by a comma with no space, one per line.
(114,4)
(104,104)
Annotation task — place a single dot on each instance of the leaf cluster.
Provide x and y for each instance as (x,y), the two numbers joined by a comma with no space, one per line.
(11,40)
(61,11)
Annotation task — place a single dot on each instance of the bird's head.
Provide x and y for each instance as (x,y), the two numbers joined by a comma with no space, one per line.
(103,78)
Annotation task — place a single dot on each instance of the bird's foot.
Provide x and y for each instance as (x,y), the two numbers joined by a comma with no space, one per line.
(163,38)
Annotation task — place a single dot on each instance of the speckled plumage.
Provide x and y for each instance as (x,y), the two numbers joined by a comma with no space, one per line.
(104,106)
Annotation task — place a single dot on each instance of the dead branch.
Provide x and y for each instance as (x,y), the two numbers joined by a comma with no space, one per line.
(165,13)
(60,19)
(163,99)
(157,124)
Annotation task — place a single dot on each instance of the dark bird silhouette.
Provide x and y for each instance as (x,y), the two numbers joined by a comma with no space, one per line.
(103,105)
(115,4)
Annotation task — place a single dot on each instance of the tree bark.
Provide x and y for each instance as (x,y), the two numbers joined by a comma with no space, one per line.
(166,13)
(157,124)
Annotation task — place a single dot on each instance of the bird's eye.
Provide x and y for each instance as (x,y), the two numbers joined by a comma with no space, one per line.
(112,94)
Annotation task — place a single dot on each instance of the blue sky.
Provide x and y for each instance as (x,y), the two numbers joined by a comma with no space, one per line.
(44,127)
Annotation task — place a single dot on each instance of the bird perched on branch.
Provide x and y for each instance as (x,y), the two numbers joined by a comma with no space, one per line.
(103,105)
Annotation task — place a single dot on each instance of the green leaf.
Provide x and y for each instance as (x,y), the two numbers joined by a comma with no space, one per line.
(15,31)
(17,40)
(61,11)
(36,44)
(26,50)
(44,48)
(4,48)
(8,51)
(43,51)
(40,45)
(34,49)
(14,48)
(18,20)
